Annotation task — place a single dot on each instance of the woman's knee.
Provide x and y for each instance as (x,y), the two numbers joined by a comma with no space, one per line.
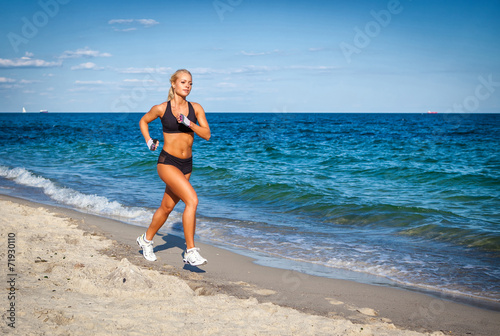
(167,210)
(167,207)
(191,201)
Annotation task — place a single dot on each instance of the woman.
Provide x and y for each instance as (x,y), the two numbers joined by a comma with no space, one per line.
(180,120)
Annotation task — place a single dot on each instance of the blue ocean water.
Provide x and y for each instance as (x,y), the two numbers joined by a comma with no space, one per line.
(411,198)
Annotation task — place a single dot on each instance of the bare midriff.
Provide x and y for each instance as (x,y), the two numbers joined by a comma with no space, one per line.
(178,144)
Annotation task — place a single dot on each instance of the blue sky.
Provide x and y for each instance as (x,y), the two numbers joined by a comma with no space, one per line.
(252,55)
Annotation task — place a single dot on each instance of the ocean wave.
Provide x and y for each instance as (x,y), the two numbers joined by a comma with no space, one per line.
(324,258)
(463,236)
(90,203)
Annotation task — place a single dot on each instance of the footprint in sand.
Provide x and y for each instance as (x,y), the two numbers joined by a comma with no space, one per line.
(367,311)
(241,283)
(264,292)
(251,288)
(334,302)
(364,311)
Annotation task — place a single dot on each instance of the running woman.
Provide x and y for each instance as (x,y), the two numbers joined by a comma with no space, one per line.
(180,120)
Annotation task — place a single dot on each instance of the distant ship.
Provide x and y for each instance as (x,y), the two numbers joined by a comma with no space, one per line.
(44,111)
(431,112)
(24,110)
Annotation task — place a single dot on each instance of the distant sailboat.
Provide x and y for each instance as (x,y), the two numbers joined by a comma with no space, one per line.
(44,111)
(24,110)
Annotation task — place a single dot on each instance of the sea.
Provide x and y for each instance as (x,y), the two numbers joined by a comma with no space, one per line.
(395,199)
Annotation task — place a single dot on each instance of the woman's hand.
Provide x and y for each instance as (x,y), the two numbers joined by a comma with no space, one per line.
(153,144)
(182,119)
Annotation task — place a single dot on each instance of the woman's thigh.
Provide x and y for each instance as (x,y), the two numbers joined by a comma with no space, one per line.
(177,183)
(169,200)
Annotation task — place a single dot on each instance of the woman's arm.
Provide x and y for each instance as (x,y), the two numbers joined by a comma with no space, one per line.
(202,129)
(154,113)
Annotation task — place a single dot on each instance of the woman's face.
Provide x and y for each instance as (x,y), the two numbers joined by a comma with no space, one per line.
(183,84)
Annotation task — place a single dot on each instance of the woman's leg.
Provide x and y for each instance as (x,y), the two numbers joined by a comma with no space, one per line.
(179,185)
(160,217)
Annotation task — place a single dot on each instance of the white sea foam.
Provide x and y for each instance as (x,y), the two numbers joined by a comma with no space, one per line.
(90,203)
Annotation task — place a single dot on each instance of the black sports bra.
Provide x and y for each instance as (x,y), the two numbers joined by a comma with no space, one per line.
(170,124)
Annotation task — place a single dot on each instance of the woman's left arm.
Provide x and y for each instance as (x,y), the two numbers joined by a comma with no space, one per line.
(202,129)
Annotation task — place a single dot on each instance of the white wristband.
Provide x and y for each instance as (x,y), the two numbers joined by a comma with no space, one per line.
(152,144)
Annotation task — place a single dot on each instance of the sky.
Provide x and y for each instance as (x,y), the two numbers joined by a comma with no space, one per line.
(251,55)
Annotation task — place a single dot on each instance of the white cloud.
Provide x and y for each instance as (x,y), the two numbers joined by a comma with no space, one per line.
(27,62)
(257,69)
(313,67)
(97,82)
(161,74)
(126,29)
(319,49)
(254,69)
(145,23)
(10,83)
(6,80)
(248,69)
(85,52)
(240,70)
(146,83)
(29,81)
(138,81)
(86,66)
(120,21)
(205,71)
(252,53)
(148,22)
(157,70)
(226,85)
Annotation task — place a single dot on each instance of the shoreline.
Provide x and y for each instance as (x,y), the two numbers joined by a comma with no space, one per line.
(357,277)
(239,276)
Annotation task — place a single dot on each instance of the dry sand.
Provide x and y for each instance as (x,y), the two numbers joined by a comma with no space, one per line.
(72,279)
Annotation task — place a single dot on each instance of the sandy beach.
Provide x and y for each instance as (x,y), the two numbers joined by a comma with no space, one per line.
(70,273)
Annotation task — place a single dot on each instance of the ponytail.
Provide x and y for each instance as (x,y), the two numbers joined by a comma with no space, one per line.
(171,93)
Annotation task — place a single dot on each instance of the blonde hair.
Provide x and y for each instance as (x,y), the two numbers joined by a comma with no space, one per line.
(173,78)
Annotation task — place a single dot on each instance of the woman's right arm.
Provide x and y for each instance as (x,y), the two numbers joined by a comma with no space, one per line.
(155,112)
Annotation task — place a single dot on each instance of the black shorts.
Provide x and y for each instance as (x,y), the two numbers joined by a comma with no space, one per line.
(184,165)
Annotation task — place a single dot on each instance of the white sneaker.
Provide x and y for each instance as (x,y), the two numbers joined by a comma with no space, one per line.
(147,248)
(193,257)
